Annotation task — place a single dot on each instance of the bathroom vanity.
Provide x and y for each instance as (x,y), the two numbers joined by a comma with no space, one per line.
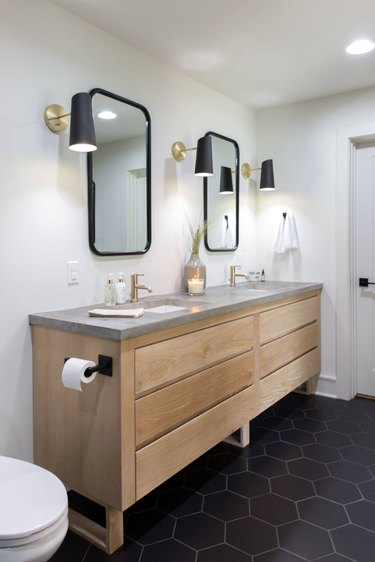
(184,378)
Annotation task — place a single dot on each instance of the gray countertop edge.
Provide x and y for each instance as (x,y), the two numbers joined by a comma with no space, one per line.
(215,301)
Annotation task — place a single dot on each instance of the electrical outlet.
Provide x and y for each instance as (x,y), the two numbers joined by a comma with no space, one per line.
(73,272)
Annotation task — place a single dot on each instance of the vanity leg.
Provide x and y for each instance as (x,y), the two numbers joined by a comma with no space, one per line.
(244,438)
(115,529)
(109,538)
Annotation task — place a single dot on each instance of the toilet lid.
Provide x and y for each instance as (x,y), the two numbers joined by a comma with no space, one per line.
(31,498)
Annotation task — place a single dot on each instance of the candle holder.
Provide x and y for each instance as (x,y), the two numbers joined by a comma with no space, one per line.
(195,286)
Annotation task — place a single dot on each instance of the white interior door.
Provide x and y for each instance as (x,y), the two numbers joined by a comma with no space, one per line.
(364,249)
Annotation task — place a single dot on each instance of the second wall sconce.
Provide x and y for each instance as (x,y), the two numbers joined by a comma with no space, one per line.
(267,182)
(82,132)
(203,161)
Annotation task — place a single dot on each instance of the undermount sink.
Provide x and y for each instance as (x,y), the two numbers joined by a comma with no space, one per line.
(167,305)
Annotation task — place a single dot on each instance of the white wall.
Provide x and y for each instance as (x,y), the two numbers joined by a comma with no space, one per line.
(302,140)
(47,55)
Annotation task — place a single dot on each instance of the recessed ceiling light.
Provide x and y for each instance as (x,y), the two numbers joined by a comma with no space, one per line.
(106,114)
(360,47)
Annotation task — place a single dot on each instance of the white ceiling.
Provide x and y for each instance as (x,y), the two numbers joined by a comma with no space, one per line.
(260,52)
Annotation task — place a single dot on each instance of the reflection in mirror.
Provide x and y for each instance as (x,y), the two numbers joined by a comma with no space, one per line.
(119,177)
(221,196)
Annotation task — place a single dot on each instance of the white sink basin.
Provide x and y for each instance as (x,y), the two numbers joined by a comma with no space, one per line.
(165,309)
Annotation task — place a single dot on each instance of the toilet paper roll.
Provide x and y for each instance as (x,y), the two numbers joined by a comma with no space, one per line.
(73,373)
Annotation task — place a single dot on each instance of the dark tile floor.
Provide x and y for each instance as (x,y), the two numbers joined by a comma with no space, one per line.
(303,490)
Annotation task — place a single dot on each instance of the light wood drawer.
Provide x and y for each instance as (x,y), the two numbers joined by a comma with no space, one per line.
(158,461)
(166,409)
(280,321)
(279,384)
(278,353)
(164,362)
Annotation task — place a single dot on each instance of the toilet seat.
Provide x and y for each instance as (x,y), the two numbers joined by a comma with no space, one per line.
(33,503)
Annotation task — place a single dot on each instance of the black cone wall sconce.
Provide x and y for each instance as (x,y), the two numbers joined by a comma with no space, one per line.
(82,132)
(226,181)
(267,182)
(203,162)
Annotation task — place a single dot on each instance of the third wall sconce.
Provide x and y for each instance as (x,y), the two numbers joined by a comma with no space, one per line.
(267,182)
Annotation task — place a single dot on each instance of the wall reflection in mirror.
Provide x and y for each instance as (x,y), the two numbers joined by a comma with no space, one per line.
(221,196)
(119,176)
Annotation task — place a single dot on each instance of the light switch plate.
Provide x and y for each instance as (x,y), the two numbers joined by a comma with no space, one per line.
(73,272)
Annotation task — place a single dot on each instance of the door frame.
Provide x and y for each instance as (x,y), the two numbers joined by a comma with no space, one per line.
(347,138)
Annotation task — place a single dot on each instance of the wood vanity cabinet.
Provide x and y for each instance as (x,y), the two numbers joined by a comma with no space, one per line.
(174,394)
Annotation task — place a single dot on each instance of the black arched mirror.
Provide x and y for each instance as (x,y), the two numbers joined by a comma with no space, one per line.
(221,196)
(119,176)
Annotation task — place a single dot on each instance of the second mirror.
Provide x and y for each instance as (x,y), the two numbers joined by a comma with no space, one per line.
(221,196)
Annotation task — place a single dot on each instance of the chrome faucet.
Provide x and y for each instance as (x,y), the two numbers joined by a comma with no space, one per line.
(135,287)
(234,274)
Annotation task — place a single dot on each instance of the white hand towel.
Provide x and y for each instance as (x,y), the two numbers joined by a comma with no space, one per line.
(286,238)
(118,313)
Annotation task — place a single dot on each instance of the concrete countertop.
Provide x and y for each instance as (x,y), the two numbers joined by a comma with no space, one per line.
(216,300)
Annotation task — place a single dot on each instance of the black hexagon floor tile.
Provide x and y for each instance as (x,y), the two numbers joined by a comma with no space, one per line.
(227,463)
(150,526)
(309,424)
(368,490)
(251,535)
(359,455)
(366,440)
(307,468)
(278,555)
(205,481)
(322,453)
(167,550)
(350,471)
(333,439)
(297,437)
(248,484)
(199,531)
(321,414)
(305,540)
(323,513)
(355,543)
(292,487)
(222,553)
(267,466)
(263,435)
(277,423)
(273,509)
(343,426)
(362,513)
(180,502)
(284,451)
(226,506)
(337,490)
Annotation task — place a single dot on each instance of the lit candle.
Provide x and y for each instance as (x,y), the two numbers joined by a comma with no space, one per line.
(195,286)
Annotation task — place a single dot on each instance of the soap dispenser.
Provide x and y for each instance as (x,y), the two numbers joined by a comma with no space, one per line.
(120,289)
(109,291)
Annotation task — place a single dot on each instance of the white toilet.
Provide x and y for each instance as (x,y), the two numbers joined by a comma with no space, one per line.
(33,512)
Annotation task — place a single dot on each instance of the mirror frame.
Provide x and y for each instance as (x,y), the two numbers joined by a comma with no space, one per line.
(91,183)
(236,191)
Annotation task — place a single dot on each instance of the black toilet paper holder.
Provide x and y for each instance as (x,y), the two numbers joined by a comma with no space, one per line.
(104,366)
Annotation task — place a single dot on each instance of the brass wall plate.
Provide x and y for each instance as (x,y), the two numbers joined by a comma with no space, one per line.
(179,151)
(56,118)
(246,170)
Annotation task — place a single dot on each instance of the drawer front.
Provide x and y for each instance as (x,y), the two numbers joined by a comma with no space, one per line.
(280,321)
(279,384)
(278,353)
(164,362)
(169,407)
(158,461)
